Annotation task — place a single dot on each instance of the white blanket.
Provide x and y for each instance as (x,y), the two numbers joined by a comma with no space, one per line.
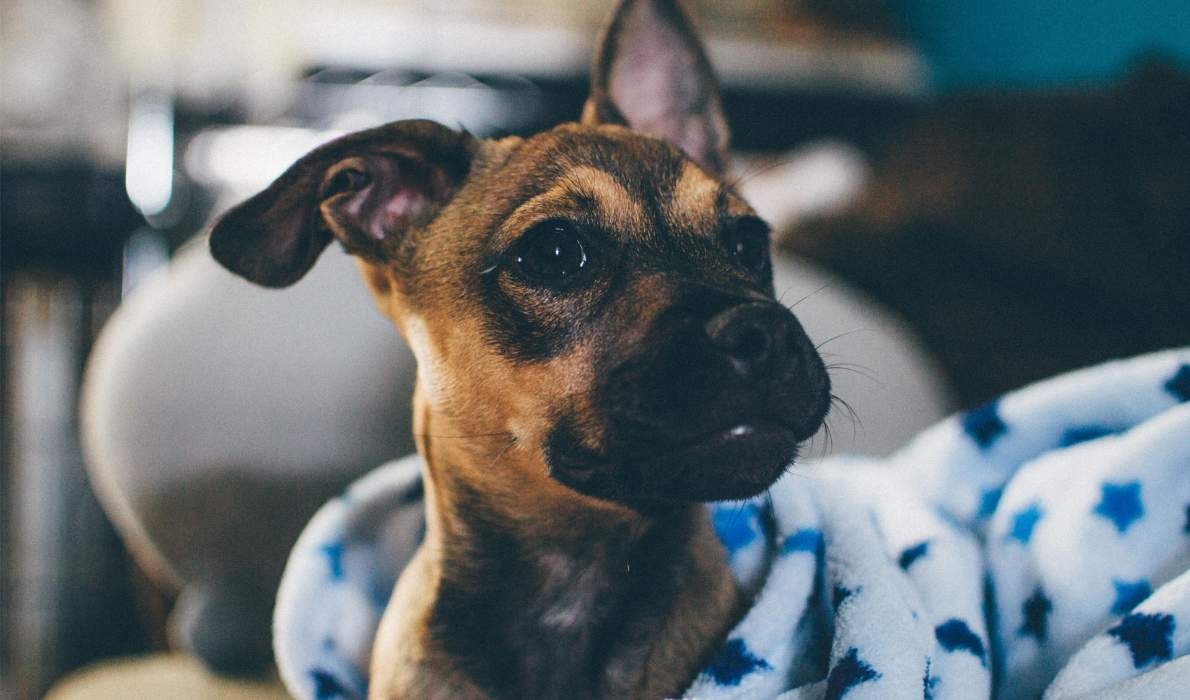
(1037,544)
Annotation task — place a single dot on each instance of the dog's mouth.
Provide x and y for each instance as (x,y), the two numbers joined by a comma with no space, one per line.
(733,462)
(737,462)
(743,435)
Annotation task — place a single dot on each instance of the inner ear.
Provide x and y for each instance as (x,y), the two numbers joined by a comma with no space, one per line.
(368,201)
(652,74)
(365,189)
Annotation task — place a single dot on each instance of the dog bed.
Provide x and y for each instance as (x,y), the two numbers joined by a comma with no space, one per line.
(1039,544)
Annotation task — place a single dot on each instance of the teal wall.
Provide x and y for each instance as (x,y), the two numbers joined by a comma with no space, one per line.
(1030,43)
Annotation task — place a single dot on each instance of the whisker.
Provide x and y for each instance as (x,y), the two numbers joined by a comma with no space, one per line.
(811,294)
(799,473)
(854,370)
(839,400)
(841,335)
(502,452)
(751,171)
(860,370)
(462,437)
(761,169)
(855,366)
(828,440)
(856,422)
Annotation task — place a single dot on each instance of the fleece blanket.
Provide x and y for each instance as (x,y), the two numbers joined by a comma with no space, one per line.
(1036,546)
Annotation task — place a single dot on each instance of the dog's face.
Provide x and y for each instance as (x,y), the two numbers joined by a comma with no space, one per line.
(600,296)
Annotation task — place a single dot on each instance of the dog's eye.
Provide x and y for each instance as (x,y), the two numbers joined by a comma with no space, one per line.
(747,240)
(550,253)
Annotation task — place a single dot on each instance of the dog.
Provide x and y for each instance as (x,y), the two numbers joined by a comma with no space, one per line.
(599,352)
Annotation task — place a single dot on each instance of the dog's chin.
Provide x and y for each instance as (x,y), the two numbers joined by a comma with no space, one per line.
(735,462)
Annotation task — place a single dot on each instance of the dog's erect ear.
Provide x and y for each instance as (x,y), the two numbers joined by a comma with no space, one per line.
(651,74)
(365,189)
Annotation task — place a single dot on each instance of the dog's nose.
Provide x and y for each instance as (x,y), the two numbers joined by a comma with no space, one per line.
(756,337)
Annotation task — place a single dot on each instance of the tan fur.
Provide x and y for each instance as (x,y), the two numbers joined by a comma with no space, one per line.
(694,197)
(466,389)
(571,194)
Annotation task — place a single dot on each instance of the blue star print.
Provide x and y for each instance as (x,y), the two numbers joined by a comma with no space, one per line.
(1129,594)
(804,540)
(1036,610)
(733,662)
(839,594)
(327,687)
(988,500)
(955,635)
(912,554)
(734,527)
(984,425)
(848,673)
(1179,384)
(1083,433)
(1024,522)
(1149,637)
(1121,504)
(334,558)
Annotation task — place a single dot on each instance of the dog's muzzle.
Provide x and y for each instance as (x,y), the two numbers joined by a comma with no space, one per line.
(712,406)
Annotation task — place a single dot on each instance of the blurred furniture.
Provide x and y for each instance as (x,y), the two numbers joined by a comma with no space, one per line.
(1023,234)
(177,676)
(217,416)
(67,591)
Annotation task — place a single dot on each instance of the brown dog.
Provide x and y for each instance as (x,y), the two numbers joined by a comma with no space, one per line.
(599,351)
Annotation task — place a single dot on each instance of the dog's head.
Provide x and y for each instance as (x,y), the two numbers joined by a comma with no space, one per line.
(597,292)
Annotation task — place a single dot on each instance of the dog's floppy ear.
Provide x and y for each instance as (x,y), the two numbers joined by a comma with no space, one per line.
(652,74)
(365,189)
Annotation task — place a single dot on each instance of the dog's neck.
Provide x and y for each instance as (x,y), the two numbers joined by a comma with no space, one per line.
(543,593)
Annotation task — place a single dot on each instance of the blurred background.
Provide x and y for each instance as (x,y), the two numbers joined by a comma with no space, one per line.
(1008,179)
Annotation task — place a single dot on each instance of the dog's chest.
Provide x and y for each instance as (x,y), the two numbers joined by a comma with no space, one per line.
(559,624)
